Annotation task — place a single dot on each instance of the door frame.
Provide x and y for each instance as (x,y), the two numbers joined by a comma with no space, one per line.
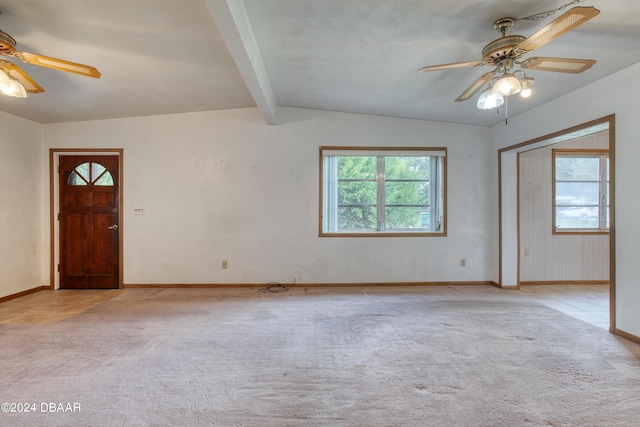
(509,206)
(54,207)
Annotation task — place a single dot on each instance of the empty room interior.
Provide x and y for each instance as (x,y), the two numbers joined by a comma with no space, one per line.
(306,213)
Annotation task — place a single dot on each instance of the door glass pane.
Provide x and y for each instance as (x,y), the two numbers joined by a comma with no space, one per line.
(76,179)
(83,171)
(106,180)
(96,170)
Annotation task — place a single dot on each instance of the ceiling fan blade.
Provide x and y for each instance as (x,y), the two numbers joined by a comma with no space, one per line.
(562,65)
(17,73)
(566,22)
(450,66)
(56,64)
(471,90)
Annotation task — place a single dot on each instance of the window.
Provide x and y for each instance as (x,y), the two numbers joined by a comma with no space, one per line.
(581,190)
(90,173)
(383,191)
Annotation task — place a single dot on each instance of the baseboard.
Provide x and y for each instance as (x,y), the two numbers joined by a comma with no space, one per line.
(564,282)
(23,293)
(299,284)
(626,335)
(190,285)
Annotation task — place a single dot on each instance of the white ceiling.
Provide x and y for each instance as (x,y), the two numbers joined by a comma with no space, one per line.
(360,56)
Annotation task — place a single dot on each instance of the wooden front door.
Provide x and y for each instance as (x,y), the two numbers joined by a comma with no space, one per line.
(89,236)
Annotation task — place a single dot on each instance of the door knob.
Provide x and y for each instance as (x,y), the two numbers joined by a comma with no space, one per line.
(113,227)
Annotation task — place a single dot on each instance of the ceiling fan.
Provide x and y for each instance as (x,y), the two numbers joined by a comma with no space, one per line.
(506,51)
(15,73)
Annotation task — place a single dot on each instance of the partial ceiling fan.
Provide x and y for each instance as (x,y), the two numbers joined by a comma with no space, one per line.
(15,82)
(506,51)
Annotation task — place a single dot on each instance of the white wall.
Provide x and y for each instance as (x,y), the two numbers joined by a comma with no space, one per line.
(21,217)
(607,96)
(225,186)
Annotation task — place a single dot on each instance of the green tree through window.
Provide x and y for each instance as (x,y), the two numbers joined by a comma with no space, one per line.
(369,191)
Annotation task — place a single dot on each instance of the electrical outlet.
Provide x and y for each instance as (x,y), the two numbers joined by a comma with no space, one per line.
(463,262)
(526,252)
(224,264)
(294,279)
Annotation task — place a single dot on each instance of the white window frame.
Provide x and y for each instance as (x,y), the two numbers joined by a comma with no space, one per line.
(603,191)
(328,224)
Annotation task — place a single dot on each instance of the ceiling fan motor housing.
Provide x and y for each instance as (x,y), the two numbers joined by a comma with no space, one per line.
(501,48)
(7,43)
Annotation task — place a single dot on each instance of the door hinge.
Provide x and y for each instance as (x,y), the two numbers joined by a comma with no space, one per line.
(58,268)
(58,216)
(58,168)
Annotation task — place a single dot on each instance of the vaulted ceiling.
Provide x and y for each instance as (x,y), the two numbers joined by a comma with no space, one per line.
(359,56)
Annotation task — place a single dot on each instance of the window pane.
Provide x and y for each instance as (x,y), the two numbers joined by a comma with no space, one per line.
(577,193)
(407,168)
(577,217)
(83,171)
(106,180)
(357,167)
(577,168)
(96,170)
(356,193)
(357,218)
(407,193)
(405,217)
(75,179)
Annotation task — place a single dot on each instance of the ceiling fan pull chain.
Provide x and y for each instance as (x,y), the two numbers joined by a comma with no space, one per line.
(506,111)
(548,13)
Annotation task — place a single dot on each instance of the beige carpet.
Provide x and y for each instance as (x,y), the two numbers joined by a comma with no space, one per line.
(370,356)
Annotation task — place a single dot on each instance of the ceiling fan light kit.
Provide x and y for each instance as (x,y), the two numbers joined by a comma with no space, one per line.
(506,51)
(507,84)
(489,99)
(11,87)
(526,89)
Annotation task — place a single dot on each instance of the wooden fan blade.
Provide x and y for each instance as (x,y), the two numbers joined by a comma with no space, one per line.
(56,64)
(566,22)
(471,90)
(449,66)
(17,73)
(562,65)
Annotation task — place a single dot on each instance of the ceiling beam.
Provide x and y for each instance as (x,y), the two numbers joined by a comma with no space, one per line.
(233,23)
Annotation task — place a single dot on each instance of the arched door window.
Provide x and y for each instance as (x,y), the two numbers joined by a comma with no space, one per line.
(90,173)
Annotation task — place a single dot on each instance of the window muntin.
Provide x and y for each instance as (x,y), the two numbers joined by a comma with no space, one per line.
(581,190)
(382,191)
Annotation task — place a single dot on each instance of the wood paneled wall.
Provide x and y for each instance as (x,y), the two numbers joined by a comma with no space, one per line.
(547,257)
